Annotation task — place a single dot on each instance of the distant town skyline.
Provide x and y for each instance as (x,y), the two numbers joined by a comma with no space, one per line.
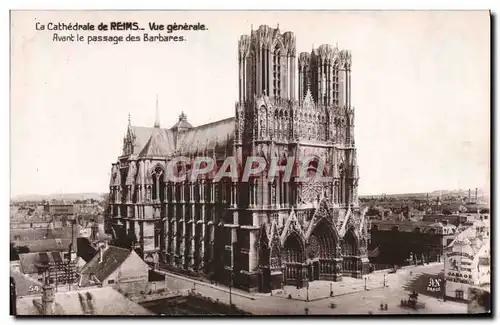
(420,81)
(481,191)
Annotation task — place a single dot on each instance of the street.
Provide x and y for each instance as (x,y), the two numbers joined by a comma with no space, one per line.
(350,297)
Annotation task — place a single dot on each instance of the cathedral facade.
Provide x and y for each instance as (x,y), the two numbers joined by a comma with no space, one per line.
(258,233)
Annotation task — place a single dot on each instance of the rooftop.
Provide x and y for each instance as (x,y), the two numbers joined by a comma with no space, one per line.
(25,286)
(39,234)
(112,258)
(30,261)
(45,245)
(88,302)
(182,138)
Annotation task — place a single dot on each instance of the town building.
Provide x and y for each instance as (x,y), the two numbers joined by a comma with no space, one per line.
(57,209)
(117,267)
(468,262)
(257,234)
(455,219)
(57,267)
(405,242)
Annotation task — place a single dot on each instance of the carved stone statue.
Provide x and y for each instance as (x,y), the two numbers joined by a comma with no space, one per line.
(119,194)
(132,171)
(273,192)
(338,250)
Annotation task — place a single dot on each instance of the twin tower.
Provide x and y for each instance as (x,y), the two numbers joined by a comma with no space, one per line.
(267,66)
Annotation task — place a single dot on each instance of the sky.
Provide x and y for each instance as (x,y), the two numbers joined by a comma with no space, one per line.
(420,87)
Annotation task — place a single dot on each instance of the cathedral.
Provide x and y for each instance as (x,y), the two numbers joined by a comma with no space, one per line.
(257,234)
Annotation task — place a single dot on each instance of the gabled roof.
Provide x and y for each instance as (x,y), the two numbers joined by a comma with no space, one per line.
(113,257)
(208,137)
(183,138)
(160,143)
(142,135)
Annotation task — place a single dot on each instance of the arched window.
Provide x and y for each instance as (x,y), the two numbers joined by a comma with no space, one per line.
(336,83)
(158,191)
(277,72)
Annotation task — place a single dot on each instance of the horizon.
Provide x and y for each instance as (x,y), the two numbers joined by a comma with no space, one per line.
(483,190)
(413,106)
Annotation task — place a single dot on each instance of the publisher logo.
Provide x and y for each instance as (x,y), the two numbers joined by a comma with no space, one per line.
(434,285)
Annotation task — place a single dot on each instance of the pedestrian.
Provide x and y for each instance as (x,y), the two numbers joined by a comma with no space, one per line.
(385,307)
(381,306)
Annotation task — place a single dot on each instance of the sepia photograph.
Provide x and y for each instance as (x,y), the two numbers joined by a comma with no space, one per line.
(250,163)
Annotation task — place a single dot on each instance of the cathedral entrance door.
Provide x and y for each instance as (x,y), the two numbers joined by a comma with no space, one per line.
(315,267)
(310,273)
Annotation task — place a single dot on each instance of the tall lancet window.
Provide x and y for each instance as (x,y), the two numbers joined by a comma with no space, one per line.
(277,72)
(158,191)
(336,84)
(323,87)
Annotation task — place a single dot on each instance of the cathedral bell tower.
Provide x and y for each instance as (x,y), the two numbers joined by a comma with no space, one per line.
(266,64)
(326,72)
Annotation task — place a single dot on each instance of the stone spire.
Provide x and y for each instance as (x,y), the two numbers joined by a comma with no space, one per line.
(157,114)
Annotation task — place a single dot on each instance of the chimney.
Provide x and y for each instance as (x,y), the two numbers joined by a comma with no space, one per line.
(48,299)
(74,236)
(476,196)
(101,253)
(102,247)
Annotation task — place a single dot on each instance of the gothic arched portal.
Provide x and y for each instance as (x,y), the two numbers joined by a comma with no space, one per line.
(326,240)
(350,244)
(294,257)
(350,251)
(294,250)
(322,251)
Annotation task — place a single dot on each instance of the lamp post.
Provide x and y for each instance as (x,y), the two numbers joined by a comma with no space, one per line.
(331,291)
(230,287)
(307,292)
(384,280)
